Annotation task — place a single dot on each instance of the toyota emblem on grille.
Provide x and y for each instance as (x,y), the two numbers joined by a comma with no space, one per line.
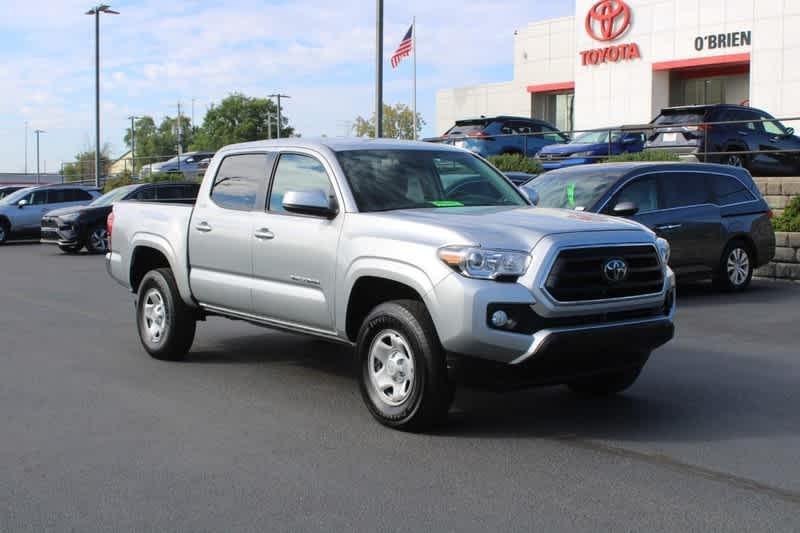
(615,270)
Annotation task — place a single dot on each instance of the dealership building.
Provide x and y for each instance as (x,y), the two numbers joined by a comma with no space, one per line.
(619,62)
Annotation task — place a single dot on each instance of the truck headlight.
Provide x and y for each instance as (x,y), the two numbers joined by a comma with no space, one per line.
(480,263)
(663,249)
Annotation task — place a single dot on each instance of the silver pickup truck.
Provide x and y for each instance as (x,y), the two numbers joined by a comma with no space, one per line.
(424,258)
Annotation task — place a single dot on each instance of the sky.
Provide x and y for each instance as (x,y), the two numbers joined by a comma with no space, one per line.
(157,53)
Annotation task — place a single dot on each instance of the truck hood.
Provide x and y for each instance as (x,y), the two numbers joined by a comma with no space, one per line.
(511,228)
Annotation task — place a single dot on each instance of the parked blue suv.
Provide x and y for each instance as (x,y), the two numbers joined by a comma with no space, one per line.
(590,147)
(502,135)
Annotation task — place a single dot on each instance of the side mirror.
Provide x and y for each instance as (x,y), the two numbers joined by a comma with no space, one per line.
(314,202)
(22,203)
(789,132)
(625,209)
(532,195)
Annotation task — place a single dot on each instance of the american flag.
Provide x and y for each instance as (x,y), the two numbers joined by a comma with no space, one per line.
(405,48)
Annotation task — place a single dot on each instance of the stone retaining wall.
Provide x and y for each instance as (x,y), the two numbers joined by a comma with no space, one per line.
(786,264)
(778,191)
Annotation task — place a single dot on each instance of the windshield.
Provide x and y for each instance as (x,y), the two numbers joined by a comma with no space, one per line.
(383,180)
(113,196)
(15,197)
(567,190)
(595,137)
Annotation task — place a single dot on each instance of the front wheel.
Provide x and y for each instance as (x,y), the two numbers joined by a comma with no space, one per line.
(403,378)
(166,324)
(735,270)
(4,231)
(69,249)
(97,241)
(606,384)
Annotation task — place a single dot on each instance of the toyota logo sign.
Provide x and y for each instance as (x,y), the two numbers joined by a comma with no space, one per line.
(615,270)
(608,20)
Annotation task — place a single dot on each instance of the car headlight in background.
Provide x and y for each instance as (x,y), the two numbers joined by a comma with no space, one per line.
(582,154)
(480,263)
(663,249)
(69,219)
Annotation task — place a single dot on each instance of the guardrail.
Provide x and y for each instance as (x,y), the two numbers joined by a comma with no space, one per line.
(701,150)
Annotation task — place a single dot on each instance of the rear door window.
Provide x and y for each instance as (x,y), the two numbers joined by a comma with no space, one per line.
(683,189)
(727,190)
(58,196)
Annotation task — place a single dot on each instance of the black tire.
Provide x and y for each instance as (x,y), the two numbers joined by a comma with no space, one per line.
(177,322)
(4,231)
(735,270)
(735,160)
(70,249)
(429,394)
(606,384)
(97,240)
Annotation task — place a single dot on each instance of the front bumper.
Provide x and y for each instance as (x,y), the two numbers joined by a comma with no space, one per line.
(61,234)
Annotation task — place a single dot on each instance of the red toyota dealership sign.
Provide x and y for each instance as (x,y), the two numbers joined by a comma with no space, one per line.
(608,20)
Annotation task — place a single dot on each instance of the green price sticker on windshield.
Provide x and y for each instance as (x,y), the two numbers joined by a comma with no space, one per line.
(571,195)
(447,203)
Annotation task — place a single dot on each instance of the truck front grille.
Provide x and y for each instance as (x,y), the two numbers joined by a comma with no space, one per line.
(579,274)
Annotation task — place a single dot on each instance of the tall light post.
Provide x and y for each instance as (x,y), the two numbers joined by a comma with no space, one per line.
(102,8)
(379,69)
(26,147)
(280,120)
(38,177)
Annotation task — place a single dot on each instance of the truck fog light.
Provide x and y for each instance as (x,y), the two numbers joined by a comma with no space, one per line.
(500,319)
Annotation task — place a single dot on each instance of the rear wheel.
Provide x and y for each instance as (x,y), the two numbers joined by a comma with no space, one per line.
(735,270)
(606,384)
(734,160)
(403,378)
(97,241)
(166,324)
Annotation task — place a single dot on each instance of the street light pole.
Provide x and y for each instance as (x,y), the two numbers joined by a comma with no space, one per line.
(133,143)
(26,147)
(379,71)
(280,120)
(38,176)
(102,8)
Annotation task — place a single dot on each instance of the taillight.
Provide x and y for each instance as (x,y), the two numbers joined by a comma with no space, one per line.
(110,227)
(704,127)
(477,134)
(770,214)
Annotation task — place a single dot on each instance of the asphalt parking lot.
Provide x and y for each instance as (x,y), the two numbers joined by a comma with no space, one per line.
(261,430)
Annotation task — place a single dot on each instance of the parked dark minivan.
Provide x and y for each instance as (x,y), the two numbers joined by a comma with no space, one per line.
(488,136)
(687,132)
(713,216)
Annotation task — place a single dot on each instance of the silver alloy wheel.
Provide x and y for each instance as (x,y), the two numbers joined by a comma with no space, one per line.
(735,160)
(98,240)
(391,367)
(738,267)
(154,315)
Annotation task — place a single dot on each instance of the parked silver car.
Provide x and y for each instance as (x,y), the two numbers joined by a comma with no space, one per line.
(21,211)
(190,165)
(424,257)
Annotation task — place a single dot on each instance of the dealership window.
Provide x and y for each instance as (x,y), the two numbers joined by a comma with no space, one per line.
(555,108)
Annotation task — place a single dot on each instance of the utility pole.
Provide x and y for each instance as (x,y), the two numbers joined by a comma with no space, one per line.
(379,71)
(133,143)
(193,126)
(269,125)
(38,175)
(280,120)
(26,147)
(102,8)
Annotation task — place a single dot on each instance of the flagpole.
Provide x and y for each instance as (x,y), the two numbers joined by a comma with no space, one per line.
(414,99)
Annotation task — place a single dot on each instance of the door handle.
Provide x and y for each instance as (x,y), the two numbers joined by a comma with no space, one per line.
(203,226)
(668,227)
(264,234)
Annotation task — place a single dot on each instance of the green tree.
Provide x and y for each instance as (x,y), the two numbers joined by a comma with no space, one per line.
(155,143)
(398,123)
(82,169)
(239,118)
